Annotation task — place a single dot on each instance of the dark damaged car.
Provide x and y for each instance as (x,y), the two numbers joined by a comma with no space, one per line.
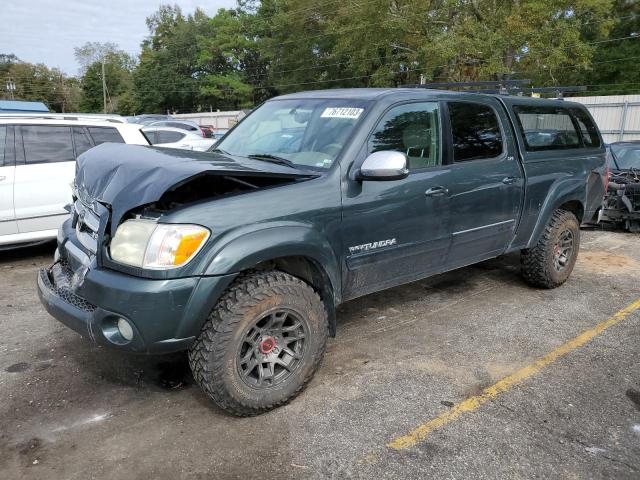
(622,201)
(241,255)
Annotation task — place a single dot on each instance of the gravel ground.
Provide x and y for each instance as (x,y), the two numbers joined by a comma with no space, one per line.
(71,410)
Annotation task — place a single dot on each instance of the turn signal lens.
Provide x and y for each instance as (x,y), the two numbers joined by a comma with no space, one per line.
(188,246)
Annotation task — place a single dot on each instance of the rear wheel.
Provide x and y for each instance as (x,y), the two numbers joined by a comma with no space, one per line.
(261,344)
(550,262)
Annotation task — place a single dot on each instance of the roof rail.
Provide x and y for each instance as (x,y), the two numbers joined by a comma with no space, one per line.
(67,116)
(503,87)
(500,87)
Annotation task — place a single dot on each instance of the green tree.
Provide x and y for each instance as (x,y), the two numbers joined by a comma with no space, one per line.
(169,74)
(38,83)
(615,64)
(118,69)
(467,40)
(231,59)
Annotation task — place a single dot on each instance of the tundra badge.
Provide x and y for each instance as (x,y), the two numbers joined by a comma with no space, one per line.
(372,246)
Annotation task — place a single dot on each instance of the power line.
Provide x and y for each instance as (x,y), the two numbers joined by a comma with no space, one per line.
(402,71)
(383,43)
(407,70)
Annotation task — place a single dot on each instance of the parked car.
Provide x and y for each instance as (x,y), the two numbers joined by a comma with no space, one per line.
(37,165)
(218,134)
(211,132)
(622,201)
(187,125)
(241,256)
(169,137)
(147,119)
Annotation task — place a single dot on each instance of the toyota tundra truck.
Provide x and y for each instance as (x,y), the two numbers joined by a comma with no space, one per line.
(241,255)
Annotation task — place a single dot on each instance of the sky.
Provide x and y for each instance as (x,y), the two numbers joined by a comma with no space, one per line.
(46,31)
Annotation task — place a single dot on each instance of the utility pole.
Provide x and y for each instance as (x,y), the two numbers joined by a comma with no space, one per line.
(11,87)
(104,88)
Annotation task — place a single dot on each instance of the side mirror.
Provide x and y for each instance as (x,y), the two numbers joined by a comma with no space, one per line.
(384,165)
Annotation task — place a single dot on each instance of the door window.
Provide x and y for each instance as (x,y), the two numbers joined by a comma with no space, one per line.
(81,140)
(546,128)
(167,136)
(105,134)
(475,130)
(3,140)
(47,144)
(150,135)
(413,129)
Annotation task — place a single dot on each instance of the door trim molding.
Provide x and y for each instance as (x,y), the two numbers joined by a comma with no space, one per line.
(497,224)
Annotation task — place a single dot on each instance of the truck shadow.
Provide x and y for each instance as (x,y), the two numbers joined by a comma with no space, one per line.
(454,284)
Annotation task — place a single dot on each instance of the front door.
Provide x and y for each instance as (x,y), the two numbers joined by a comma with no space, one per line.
(487,191)
(8,224)
(43,177)
(398,231)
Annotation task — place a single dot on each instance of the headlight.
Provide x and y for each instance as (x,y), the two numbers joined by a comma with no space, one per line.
(157,246)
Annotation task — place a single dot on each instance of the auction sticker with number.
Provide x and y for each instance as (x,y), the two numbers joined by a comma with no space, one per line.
(342,112)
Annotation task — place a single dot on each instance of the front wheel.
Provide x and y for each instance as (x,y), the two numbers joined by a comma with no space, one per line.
(262,343)
(550,262)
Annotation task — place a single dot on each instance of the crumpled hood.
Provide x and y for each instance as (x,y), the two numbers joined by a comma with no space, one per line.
(128,176)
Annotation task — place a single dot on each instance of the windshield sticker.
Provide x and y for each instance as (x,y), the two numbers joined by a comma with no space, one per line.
(342,112)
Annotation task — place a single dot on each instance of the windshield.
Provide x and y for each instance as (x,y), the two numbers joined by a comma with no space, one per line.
(307,133)
(626,156)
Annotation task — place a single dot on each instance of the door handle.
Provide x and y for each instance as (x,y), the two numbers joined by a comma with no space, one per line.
(436,192)
(509,180)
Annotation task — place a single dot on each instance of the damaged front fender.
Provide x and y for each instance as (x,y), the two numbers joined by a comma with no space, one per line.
(239,251)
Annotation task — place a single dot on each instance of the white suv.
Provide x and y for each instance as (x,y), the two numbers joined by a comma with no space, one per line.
(37,166)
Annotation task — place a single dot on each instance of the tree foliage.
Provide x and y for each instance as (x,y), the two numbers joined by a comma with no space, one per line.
(118,73)
(614,67)
(38,83)
(238,57)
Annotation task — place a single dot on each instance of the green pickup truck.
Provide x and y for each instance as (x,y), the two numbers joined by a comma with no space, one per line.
(240,255)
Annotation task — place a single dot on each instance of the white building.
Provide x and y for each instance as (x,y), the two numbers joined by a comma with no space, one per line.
(218,120)
(617,116)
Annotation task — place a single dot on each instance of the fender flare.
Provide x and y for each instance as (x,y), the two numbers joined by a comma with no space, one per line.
(564,190)
(244,250)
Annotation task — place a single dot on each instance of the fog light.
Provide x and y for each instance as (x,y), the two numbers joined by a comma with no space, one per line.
(125,329)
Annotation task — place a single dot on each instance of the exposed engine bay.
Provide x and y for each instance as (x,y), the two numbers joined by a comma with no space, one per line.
(622,201)
(207,186)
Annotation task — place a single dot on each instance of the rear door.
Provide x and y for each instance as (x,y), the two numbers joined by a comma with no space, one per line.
(488,182)
(8,224)
(105,134)
(45,167)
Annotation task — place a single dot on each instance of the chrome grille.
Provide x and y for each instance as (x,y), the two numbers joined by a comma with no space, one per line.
(87,225)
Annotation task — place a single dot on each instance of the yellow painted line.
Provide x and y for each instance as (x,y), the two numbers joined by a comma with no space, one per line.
(471,404)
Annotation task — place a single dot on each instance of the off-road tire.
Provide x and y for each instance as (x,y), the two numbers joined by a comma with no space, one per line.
(212,357)
(537,263)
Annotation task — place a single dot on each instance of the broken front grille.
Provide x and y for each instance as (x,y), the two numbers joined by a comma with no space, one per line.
(87,226)
(59,280)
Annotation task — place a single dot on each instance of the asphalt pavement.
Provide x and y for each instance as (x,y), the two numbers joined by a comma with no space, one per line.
(470,374)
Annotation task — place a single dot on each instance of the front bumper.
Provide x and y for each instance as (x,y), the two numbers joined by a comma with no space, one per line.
(165,315)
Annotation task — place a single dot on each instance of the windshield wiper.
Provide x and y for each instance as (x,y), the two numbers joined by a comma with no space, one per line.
(219,150)
(267,157)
